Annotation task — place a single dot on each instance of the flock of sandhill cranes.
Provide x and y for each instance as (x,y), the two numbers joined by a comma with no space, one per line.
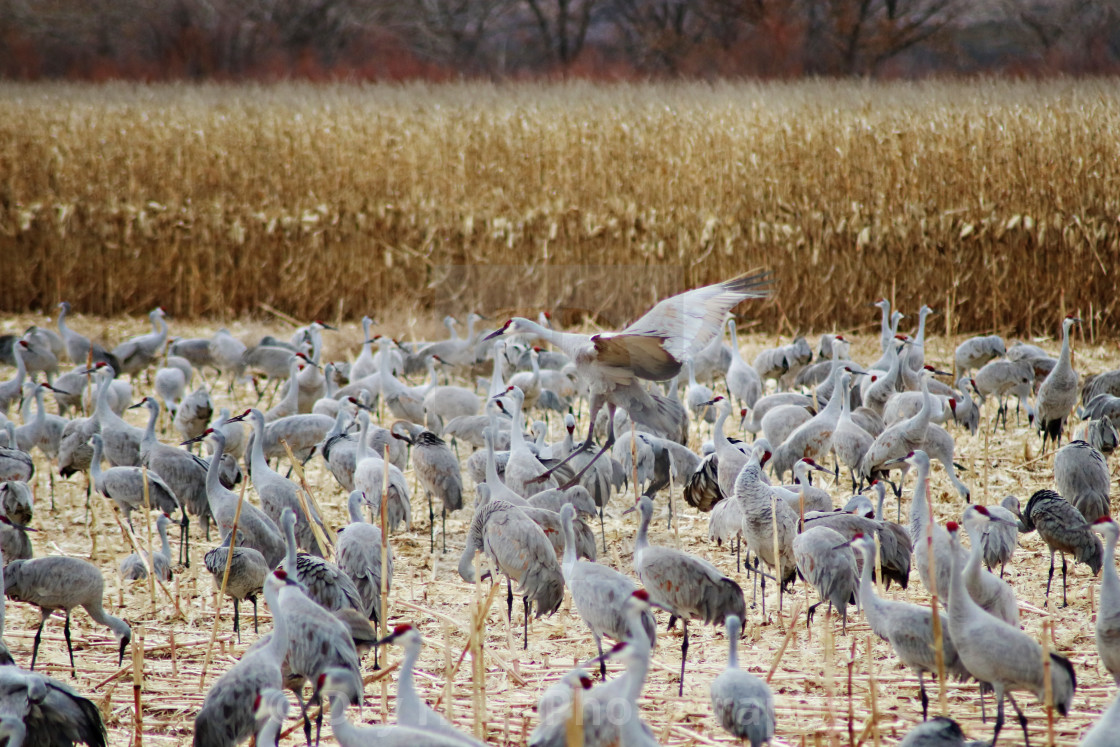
(536,502)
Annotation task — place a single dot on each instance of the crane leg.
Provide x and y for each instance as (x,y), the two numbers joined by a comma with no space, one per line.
(809,613)
(602,660)
(509,601)
(444,528)
(306,721)
(999,714)
(69,646)
(762,583)
(925,697)
(1064,602)
(1022,720)
(585,446)
(738,544)
(684,657)
(431,526)
(38,636)
(253,599)
(526,602)
(185,541)
(236,619)
(1050,578)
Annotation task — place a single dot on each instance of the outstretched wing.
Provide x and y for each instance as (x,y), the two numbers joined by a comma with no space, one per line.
(687,322)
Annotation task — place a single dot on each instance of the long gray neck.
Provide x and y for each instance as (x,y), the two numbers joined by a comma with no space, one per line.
(1110,581)
(406,687)
(258,460)
(278,644)
(919,508)
(149,438)
(885,334)
(569,563)
(213,471)
(290,556)
(165,546)
(641,542)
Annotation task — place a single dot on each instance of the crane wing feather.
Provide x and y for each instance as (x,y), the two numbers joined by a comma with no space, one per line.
(644,355)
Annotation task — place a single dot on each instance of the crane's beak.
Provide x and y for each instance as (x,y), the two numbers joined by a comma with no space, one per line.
(195,440)
(125,640)
(141,403)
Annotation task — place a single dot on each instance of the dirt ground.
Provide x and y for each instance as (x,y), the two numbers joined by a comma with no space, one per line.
(822,682)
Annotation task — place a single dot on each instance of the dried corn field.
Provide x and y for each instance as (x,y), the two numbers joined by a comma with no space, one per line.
(822,680)
(213,199)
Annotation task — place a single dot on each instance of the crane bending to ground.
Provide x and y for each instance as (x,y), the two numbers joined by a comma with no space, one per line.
(654,348)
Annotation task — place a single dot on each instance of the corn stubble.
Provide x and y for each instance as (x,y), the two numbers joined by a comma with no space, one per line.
(1000,200)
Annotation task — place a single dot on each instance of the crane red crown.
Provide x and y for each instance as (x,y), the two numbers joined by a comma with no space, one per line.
(953,526)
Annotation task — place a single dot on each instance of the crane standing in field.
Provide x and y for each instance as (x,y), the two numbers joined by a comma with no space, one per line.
(438,471)
(1058,393)
(653,348)
(1063,529)
(685,585)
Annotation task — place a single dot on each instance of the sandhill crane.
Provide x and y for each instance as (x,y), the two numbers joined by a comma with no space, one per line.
(258,531)
(135,567)
(194,413)
(194,350)
(701,489)
(698,395)
(247,573)
(1103,733)
(825,560)
(1081,476)
(517,547)
(317,642)
(687,586)
(15,463)
(369,478)
(121,440)
(349,735)
(599,593)
(812,439)
(40,710)
(966,412)
(1108,613)
(78,347)
(227,715)
(894,541)
(939,731)
(1063,529)
(760,523)
(37,353)
(172,380)
(923,533)
(742,703)
(752,419)
(1001,378)
(139,352)
(438,472)
(62,583)
(1000,654)
(277,492)
(993,594)
(886,329)
(780,422)
(1058,393)
(289,403)
(558,697)
(907,627)
(554,500)
(976,351)
(896,441)
(449,402)
(1002,536)
(359,556)
(323,581)
(44,432)
(410,710)
(523,468)
(743,382)
(806,497)
(125,486)
(916,358)
(653,348)
(183,472)
(529,382)
(609,710)
(850,442)
(228,353)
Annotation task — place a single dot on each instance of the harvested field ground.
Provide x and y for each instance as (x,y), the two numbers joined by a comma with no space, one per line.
(821,683)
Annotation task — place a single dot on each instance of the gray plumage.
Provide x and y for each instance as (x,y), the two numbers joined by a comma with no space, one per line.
(1058,393)
(555,499)
(939,731)
(16,502)
(1000,654)
(827,563)
(278,493)
(894,541)
(1108,612)
(62,583)
(227,716)
(172,380)
(193,415)
(1002,378)
(351,735)
(517,547)
(687,586)
(325,583)
(257,530)
(271,709)
(437,468)
(411,711)
(976,351)
(907,627)
(369,477)
(743,382)
(121,440)
(1082,478)
(701,489)
(599,593)
(920,528)
(1063,529)
(359,556)
(991,593)
(78,347)
(125,486)
(139,352)
(183,472)
(741,702)
(194,350)
(15,463)
(49,713)
(134,567)
(756,499)
(1002,538)
(247,574)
